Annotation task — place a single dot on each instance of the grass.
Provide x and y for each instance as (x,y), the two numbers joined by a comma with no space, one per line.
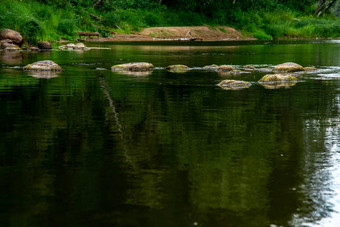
(38,21)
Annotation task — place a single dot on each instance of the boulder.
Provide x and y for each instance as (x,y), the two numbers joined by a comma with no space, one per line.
(310,68)
(44,45)
(274,78)
(12,35)
(11,47)
(234,84)
(225,68)
(43,66)
(288,67)
(4,43)
(178,68)
(135,67)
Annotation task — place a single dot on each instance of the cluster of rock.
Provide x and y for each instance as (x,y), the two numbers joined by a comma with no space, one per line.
(279,79)
(12,41)
(73,47)
(275,80)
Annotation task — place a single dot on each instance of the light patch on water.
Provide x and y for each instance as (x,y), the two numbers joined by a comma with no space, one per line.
(322,174)
(325,73)
(12,67)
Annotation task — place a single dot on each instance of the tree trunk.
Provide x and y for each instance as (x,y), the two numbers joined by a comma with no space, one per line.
(96,4)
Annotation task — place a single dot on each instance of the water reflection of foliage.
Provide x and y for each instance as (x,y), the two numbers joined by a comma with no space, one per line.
(240,154)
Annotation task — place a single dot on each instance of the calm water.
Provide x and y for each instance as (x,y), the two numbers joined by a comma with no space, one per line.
(92,147)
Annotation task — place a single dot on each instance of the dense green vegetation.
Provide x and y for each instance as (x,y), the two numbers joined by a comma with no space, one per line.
(265,19)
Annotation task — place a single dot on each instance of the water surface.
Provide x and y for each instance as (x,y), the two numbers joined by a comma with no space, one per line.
(93,147)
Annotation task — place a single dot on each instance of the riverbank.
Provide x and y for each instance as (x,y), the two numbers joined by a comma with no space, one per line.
(183,33)
(149,21)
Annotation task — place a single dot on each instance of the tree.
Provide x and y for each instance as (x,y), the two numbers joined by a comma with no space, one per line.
(324,6)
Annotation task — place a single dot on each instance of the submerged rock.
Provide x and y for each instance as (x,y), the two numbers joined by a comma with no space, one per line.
(225,68)
(135,73)
(288,67)
(178,68)
(310,68)
(273,78)
(43,66)
(44,45)
(12,35)
(135,67)
(234,84)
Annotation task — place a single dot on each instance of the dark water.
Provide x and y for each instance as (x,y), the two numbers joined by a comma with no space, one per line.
(91,147)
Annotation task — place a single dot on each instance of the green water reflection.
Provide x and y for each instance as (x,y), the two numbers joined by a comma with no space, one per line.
(93,147)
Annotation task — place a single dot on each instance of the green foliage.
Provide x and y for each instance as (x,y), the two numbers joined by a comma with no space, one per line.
(266,19)
(32,30)
(259,34)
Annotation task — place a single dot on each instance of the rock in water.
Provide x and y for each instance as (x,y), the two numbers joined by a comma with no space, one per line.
(12,35)
(234,84)
(225,68)
(135,67)
(177,68)
(74,47)
(249,68)
(43,66)
(288,67)
(44,45)
(210,67)
(272,78)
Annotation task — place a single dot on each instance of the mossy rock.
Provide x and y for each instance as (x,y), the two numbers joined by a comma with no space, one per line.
(178,68)
(273,78)
(249,68)
(225,68)
(310,68)
(43,66)
(134,67)
(234,84)
(210,67)
(288,67)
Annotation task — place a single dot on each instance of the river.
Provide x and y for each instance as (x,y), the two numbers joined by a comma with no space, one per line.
(92,147)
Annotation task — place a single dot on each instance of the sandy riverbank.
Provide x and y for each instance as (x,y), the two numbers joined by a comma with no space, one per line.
(200,33)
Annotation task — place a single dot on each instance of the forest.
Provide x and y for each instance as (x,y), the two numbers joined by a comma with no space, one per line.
(53,20)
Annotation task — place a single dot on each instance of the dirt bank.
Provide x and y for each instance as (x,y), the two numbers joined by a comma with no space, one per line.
(204,33)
